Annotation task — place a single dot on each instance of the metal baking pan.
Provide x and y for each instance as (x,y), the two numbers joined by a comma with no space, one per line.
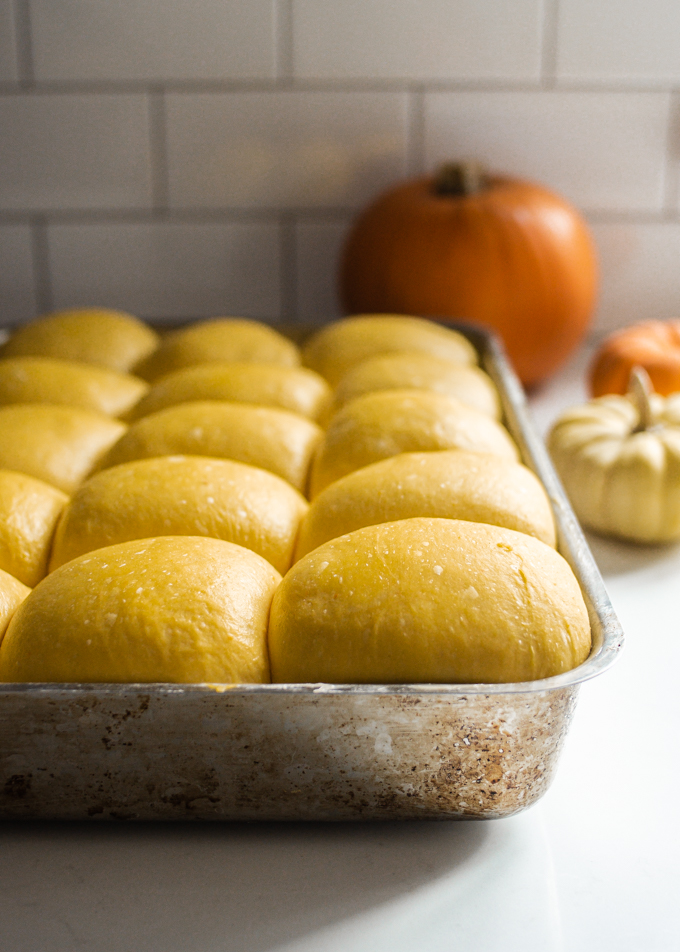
(307,751)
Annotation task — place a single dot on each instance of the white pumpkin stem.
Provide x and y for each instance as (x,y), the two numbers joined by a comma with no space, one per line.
(639,390)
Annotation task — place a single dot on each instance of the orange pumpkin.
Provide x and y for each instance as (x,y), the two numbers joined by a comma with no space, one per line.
(654,345)
(493,250)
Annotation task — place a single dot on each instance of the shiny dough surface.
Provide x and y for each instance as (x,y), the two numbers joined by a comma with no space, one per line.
(339,346)
(470,385)
(275,440)
(428,600)
(90,335)
(383,424)
(296,389)
(12,594)
(182,495)
(172,609)
(65,382)
(29,510)
(59,445)
(219,339)
(452,484)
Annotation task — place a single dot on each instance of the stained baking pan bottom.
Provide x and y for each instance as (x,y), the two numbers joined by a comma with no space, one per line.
(151,752)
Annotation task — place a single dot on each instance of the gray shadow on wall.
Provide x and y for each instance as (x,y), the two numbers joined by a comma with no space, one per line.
(203,887)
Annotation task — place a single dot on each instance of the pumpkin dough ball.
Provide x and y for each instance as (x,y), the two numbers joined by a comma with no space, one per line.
(470,385)
(288,388)
(64,382)
(29,509)
(383,424)
(428,600)
(59,445)
(183,610)
(222,339)
(454,484)
(338,347)
(275,440)
(182,495)
(88,335)
(12,594)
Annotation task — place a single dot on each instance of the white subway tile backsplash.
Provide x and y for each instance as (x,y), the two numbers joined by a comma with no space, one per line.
(234,112)
(619,40)
(639,273)
(283,149)
(74,152)
(431,39)
(148,40)
(171,269)
(9,67)
(601,150)
(318,247)
(17,286)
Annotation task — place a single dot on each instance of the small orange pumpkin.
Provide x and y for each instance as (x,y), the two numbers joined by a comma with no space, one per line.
(493,250)
(654,345)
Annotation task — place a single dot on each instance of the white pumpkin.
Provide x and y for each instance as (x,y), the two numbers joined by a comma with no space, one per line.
(619,460)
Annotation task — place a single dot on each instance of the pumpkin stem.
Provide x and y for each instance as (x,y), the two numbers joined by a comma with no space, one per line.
(639,390)
(460,178)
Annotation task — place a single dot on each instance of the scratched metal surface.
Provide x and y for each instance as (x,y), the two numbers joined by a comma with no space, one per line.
(121,753)
(316,752)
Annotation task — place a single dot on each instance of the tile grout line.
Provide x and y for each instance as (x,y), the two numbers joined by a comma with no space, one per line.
(272,215)
(41,264)
(549,44)
(415,132)
(284,67)
(146,215)
(671,172)
(659,216)
(344,86)
(288,267)
(24,43)
(158,152)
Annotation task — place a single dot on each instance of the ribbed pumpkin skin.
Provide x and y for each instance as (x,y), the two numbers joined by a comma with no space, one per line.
(514,257)
(654,345)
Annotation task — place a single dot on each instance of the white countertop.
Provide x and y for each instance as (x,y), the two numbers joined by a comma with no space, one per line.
(594,867)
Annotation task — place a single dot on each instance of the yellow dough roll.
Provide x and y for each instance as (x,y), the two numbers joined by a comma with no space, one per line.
(275,440)
(470,385)
(338,347)
(452,484)
(288,388)
(12,594)
(59,445)
(428,600)
(222,339)
(182,495)
(383,424)
(64,382)
(29,510)
(88,335)
(184,609)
